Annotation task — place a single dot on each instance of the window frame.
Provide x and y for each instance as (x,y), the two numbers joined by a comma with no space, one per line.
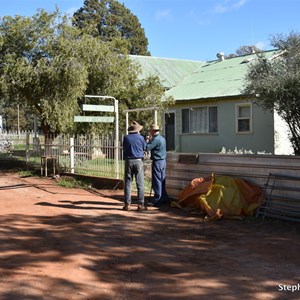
(238,118)
(208,119)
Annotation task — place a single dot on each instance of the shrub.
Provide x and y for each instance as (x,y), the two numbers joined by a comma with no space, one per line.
(6,146)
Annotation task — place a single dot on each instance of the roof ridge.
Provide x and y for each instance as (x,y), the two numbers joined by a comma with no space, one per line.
(167,58)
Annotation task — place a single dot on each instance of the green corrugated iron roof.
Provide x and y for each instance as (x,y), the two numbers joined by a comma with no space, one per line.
(191,80)
(170,71)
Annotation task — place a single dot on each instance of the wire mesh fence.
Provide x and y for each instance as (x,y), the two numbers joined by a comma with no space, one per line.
(98,155)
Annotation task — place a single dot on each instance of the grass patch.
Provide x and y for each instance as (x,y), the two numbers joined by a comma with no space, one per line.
(19,147)
(27,173)
(70,182)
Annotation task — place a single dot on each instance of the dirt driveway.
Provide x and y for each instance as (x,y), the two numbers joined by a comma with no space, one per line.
(58,243)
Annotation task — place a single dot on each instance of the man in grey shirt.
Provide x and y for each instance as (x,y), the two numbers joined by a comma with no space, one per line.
(157,145)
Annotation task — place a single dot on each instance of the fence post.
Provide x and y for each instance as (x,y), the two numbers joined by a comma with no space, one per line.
(72,155)
(27,147)
(116,142)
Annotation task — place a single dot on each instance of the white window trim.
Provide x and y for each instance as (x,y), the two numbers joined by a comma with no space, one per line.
(237,106)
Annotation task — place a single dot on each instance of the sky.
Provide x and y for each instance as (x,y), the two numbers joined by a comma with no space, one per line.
(192,29)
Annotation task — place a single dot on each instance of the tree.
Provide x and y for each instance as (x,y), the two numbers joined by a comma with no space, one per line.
(243,50)
(276,83)
(112,21)
(14,116)
(40,67)
(50,65)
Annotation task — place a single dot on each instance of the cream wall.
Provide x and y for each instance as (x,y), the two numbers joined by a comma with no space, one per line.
(281,134)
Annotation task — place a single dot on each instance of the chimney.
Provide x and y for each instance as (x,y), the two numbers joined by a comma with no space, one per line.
(221,56)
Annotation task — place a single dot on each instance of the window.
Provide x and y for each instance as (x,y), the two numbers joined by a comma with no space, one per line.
(200,120)
(244,118)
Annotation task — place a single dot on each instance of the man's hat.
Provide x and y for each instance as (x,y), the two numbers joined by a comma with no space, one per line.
(154,127)
(134,127)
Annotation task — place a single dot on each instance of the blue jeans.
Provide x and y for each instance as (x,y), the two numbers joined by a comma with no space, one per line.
(159,182)
(134,168)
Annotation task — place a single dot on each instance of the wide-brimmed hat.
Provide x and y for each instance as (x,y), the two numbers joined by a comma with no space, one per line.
(154,127)
(134,127)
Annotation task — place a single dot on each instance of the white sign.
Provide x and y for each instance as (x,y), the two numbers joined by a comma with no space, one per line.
(94,119)
(90,107)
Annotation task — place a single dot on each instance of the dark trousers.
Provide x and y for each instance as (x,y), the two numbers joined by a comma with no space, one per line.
(134,168)
(159,181)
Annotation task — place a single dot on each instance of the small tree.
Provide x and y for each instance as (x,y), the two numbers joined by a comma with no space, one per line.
(14,116)
(243,50)
(276,83)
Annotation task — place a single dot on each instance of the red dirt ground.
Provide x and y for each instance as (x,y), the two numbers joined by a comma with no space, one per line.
(58,243)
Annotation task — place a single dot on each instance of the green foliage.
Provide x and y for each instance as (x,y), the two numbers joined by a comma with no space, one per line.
(27,173)
(10,117)
(113,22)
(276,83)
(41,67)
(48,66)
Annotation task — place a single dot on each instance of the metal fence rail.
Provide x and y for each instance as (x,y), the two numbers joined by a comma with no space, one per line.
(16,137)
(281,198)
(86,154)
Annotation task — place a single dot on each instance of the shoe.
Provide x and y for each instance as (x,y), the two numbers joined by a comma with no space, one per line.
(141,207)
(151,204)
(126,207)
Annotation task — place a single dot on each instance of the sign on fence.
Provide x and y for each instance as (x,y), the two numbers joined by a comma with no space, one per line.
(91,107)
(103,119)
(93,119)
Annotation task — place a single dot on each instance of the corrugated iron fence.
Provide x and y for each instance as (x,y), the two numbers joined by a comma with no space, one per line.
(283,194)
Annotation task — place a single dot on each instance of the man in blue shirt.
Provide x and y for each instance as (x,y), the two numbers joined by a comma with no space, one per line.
(157,145)
(134,146)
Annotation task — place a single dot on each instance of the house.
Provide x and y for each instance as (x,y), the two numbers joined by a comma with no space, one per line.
(210,112)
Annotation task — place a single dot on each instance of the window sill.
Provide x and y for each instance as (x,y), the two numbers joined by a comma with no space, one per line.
(200,133)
